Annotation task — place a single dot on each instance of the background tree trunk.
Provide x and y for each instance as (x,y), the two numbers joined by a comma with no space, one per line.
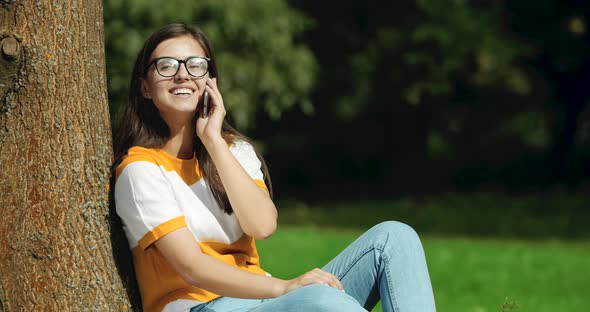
(55,247)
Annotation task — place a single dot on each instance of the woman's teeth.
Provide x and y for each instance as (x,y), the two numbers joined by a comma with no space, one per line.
(183,91)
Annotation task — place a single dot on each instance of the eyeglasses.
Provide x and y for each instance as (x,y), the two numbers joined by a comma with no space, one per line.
(196,66)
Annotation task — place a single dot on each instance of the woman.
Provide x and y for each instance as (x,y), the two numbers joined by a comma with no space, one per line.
(192,196)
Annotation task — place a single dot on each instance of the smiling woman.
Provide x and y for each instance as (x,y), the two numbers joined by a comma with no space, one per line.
(175,89)
(193,195)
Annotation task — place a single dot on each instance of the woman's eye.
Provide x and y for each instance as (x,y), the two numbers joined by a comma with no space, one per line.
(195,65)
(167,64)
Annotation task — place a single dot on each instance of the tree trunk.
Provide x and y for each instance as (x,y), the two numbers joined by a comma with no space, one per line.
(55,247)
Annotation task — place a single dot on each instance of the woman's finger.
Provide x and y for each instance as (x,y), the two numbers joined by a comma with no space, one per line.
(327,278)
(216,107)
(212,84)
(333,281)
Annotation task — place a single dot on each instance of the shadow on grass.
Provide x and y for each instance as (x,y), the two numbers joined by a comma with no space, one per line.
(540,216)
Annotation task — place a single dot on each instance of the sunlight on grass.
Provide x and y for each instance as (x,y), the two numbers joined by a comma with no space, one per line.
(475,275)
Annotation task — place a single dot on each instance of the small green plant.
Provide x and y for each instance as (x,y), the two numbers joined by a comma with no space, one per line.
(509,305)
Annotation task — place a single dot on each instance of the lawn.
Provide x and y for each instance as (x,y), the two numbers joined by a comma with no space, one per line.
(468,274)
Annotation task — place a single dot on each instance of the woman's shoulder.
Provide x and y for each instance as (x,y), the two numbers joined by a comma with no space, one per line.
(141,154)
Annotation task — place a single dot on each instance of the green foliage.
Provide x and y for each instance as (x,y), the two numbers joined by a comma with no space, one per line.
(261,64)
(438,56)
(530,126)
(438,42)
(364,65)
(461,33)
(437,146)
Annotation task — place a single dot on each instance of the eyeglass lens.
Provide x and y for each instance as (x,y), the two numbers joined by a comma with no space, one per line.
(168,67)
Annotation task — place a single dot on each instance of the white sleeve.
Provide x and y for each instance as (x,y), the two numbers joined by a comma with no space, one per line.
(146,203)
(244,153)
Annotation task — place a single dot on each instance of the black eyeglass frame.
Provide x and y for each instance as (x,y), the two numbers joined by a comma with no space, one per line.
(154,61)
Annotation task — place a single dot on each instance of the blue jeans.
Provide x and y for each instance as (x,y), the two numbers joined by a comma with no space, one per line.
(387,262)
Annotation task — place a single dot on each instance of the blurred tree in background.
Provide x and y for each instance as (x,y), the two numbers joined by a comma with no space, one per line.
(558,32)
(387,85)
(418,96)
(408,96)
(262,68)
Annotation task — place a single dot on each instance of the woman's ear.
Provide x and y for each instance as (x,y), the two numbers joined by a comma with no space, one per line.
(145,90)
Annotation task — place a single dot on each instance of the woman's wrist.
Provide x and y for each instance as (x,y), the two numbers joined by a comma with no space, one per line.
(280,287)
(214,145)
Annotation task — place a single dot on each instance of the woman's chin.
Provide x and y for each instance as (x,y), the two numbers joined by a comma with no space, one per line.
(184,106)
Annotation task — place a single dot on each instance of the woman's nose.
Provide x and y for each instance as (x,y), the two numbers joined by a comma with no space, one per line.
(182,73)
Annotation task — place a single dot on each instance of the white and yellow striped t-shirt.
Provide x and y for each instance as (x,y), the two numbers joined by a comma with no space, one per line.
(156,193)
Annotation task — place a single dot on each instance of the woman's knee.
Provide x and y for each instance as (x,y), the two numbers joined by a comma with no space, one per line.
(394,231)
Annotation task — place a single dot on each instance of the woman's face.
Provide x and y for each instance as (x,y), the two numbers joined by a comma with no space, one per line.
(177,96)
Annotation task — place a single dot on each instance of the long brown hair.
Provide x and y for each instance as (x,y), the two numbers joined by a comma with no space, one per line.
(142,125)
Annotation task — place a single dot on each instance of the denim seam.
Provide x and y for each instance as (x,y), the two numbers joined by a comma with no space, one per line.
(391,289)
(380,248)
(363,253)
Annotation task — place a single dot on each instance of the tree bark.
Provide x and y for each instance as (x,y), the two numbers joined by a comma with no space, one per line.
(55,247)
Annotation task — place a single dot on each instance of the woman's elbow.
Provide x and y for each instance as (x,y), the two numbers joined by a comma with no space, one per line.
(263,232)
(190,276)
(191,280)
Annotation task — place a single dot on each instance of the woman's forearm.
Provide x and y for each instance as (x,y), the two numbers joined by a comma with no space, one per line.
(252,205)
(224,279)
(196,268)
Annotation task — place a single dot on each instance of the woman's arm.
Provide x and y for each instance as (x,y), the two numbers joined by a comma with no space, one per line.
(181,250)
(252,205)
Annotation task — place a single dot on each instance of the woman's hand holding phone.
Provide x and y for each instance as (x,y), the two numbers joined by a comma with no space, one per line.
(212,114)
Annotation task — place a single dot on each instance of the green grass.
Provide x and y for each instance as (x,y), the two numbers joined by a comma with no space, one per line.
(475,275)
